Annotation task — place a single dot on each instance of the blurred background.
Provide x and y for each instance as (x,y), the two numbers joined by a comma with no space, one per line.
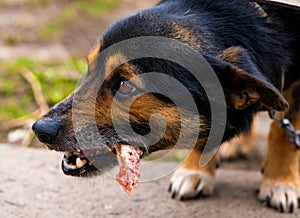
(43,45)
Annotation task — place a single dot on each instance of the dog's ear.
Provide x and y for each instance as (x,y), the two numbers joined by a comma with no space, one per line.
(243,84)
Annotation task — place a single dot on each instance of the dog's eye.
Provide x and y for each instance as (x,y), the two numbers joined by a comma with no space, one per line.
(126,87)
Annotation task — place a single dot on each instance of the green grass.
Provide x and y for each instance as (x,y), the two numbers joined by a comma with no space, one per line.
(72,10)
(56,26)
(16,97)
(96,7)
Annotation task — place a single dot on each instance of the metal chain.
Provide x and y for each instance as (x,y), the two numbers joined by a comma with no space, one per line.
(284,123)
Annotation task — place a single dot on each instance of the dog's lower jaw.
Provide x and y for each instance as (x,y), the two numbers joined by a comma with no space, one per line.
(74,165)
(90,162)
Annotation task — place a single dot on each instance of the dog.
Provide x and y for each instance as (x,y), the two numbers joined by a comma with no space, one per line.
(249,47)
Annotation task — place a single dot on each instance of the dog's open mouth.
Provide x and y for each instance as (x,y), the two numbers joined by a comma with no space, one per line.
(80,163)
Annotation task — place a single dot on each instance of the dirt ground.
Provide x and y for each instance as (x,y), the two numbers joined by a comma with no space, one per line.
(21,22)
(32,185)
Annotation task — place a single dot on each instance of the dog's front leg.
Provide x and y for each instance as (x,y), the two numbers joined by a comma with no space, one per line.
(280,184)
(280,187)
(192,181)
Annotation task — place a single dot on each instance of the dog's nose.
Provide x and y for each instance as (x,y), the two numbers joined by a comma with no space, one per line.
(46,129)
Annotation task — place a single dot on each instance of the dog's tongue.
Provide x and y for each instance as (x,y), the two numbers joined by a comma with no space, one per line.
(129,160)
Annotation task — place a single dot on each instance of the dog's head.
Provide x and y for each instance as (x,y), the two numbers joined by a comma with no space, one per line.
(113,105)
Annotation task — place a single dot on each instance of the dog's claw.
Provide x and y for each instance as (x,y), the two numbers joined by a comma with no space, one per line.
(284,198)
(268,200)
(199,194)
(281,209)
(191,184)
(292,208)
(173,195)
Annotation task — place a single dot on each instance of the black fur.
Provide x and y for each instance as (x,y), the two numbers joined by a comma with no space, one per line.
(212,26)
(271,43)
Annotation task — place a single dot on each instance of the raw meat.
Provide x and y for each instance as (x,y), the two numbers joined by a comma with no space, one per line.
(129,160)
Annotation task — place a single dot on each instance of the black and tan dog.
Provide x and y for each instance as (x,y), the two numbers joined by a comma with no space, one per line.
(247,45)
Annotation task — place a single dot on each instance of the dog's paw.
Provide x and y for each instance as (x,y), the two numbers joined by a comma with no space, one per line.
(282,196)
(190,184)
(229,151)
(238,148)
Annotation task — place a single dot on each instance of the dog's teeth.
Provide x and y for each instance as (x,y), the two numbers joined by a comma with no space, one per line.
(80,163)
